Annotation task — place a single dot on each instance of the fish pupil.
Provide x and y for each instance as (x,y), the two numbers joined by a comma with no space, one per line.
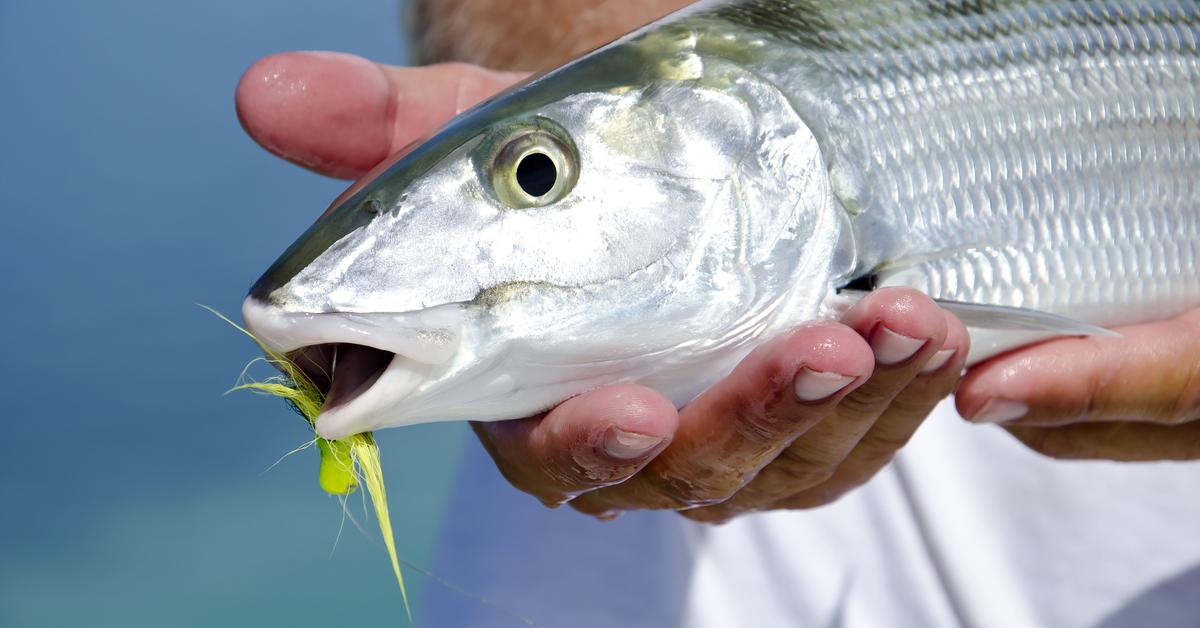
(536,174)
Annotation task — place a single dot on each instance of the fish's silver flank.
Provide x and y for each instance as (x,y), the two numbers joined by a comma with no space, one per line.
(1043,155)
(651,212)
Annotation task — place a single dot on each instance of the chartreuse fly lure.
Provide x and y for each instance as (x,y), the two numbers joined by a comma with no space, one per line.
(344,462)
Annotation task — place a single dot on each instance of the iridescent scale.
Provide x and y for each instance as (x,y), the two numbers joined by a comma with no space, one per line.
(1044,155)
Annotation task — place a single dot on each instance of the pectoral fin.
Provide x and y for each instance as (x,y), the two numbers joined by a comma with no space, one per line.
(994,328)
(1004,318)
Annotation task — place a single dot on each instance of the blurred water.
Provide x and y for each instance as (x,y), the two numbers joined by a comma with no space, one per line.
(132,493)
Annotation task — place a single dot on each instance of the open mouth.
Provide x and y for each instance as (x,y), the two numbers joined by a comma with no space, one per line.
(365,386)
(341,371)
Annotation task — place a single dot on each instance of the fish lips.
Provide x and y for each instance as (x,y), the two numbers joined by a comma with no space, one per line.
(365,362)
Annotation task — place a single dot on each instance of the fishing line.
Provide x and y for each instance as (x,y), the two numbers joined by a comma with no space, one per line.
(289,455)
(450,586)
(483,601)
(341,525)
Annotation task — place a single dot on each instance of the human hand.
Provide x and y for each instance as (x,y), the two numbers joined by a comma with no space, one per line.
(802,420)
(1132,398)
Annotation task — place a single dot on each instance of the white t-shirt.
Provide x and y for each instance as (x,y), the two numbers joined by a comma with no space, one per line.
(966,528)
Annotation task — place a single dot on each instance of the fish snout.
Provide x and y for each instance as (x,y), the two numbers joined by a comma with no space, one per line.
(429,337)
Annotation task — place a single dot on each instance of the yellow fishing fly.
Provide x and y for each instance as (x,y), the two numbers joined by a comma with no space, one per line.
(343,462)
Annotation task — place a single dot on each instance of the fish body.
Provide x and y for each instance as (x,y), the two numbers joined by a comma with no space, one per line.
(653,210)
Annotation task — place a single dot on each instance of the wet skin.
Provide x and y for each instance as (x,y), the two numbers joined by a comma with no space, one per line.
(805,418)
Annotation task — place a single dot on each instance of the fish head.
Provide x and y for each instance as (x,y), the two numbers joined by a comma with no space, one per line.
(608,222)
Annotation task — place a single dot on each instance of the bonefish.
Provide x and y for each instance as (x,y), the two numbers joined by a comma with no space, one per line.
(655,209)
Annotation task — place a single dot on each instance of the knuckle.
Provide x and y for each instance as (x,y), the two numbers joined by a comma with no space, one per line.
(884,443)
(942,384)
(799,471)
(566,477)
(693,487)
(690,494)
(867,400)
(901,297)
(759,423)
(913,408)
(556,479)
(597,476)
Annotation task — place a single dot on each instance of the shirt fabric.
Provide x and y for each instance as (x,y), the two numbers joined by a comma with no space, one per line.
(967,527)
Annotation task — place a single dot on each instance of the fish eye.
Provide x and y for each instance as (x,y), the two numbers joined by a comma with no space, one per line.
(534,168)
(536,174)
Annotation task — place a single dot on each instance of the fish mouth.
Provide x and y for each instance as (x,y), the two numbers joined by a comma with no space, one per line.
(341,371)
(365,364)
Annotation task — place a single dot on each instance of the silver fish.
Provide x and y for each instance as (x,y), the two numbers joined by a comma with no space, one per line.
(653,210)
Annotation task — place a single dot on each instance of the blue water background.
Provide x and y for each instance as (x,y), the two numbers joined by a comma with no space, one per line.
(131,492)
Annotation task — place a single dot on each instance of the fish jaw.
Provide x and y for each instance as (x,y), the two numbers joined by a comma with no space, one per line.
(368,364)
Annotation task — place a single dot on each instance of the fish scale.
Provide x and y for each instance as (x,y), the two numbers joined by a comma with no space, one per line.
(1021,160)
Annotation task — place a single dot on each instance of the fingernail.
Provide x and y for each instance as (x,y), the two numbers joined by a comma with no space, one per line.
(628,445)
(816,385)
(1000,411)
(938,360)
(893,348)
(609,516)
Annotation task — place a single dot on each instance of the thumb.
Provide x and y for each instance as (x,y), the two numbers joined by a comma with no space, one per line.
(340,115)
(1149,374)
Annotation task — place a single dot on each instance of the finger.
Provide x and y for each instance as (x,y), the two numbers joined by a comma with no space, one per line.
(1151,373)
(905,329)
(897,424)
(340,115)
(727,434)
(1124,441)
(587,442)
